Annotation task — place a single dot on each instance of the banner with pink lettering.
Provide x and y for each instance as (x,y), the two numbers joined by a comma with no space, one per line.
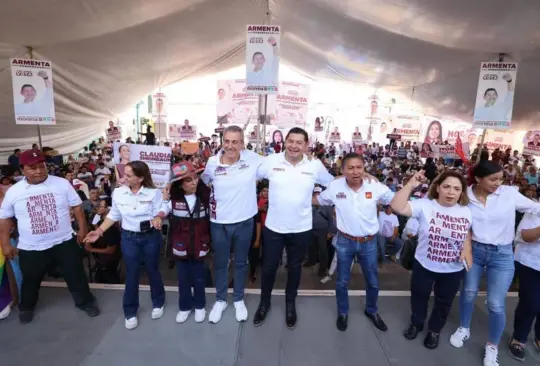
(158,159)
(498,139)
(451,130)
(531,143)
(234,105)
(33,93)
(442,151)
(407,125)
(291,105)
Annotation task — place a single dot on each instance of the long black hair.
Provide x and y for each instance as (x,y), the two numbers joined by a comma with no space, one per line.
(177,192)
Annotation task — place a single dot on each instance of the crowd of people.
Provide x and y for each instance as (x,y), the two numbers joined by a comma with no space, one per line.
(302,205)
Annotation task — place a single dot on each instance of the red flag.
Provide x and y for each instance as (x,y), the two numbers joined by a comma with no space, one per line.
(459,149)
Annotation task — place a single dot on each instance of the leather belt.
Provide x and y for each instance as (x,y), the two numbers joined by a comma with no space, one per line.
(359,239)
(138,233)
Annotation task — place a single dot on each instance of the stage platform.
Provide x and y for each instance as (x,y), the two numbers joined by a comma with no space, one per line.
(62,335)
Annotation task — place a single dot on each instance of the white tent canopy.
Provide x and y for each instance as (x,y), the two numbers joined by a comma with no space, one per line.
(108,54)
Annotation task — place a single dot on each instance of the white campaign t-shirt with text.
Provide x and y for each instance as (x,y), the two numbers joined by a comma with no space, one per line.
(441,234)
(387,223)
(42,212)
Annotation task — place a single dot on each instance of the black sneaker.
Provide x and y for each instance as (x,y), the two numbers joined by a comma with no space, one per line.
(290,315)
(341,322)
(412,332)
(377,321)
(91,310)
(517,350)
(261,314)
(431,341)
(26,316)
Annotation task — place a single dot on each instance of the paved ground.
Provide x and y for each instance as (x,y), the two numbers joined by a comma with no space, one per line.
(61,335)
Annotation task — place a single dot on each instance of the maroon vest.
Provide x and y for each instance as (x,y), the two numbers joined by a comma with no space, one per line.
(190,230)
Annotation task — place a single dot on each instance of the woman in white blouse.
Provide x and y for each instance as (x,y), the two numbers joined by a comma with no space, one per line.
(137,204)
(444,246)
(527,256)
(493,208)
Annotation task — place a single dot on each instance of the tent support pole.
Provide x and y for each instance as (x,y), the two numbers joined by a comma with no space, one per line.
(31,55)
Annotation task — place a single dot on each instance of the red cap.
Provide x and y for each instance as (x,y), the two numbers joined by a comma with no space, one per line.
(183,170)
(31,157)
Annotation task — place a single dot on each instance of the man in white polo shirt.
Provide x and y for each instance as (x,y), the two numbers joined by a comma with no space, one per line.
(355,199)
(232,174)
(41,204)
(292,176)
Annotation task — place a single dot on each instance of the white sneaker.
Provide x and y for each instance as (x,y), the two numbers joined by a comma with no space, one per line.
(217,311)
(182,316)
(200,315)
(491,356)
(326,279)
(157,313)
(132,323)
(5,313)
(241,311)
(459,337)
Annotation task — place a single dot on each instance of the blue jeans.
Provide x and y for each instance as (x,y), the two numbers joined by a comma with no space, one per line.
(224,236)
(191,274)
(498,262)
(135,247)
(382,241)
(346,250)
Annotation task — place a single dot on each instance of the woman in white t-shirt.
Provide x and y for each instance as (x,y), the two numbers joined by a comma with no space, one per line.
(527,261)
(444,246)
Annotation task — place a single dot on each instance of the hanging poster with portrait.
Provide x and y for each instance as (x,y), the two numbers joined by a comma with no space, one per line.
(358,137)
(254,135)
(160,107)
(495,95)
(531,143)
(185,131)
(335,136)
(33,93)
(451,130)
(113,133)
(263,45)
(319,124)
(158,159)
(234,105)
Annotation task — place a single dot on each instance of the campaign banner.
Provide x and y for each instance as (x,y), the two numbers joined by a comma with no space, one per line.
(442,151)
(160,107)
(291,105)
(495,95)
(319,124)
(393,136)
(33,93)
(113,133)
(406,125)
(158,159)
(496,139)
(357,137)
(432,131)
(184,131)
(234,105)
(335,136)
(262,59)
(531,143)
(254,135)
(451,130)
